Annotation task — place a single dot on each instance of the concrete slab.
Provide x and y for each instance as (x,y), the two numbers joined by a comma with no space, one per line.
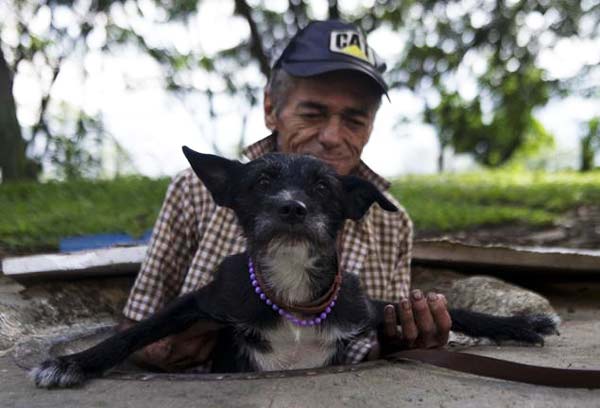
(397,385)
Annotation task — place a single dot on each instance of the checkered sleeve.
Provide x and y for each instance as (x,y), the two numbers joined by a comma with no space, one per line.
(173,243)
(358,349)
(399,284)
(399,244)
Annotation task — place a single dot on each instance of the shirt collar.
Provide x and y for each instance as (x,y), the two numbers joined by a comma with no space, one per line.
(269,144)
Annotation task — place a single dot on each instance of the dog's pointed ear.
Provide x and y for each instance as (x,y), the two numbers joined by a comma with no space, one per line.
(217,173)
(360,195)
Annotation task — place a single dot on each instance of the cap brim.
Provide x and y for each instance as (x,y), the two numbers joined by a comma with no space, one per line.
(311,68)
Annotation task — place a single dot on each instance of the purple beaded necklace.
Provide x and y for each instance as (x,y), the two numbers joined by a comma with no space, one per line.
(322,310)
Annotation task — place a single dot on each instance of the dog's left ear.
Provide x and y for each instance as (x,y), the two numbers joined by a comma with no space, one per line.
(217,173)
(360,195)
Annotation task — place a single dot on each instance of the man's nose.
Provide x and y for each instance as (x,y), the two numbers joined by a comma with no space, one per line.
(331,132)
(292,211)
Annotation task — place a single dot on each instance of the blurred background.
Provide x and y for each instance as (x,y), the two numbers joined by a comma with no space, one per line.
(494,119)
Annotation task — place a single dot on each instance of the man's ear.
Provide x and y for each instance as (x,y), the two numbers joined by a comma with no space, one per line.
(217,174)
(269,110)
(360,195)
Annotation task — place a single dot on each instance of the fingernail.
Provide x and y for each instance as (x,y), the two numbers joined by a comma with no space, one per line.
(432,297)
(417,294)
(405,304)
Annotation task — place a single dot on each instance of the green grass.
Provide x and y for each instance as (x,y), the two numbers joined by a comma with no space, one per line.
(460,201)
(35,216)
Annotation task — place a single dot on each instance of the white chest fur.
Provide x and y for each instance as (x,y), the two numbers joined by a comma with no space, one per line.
(287,266)
(296,347)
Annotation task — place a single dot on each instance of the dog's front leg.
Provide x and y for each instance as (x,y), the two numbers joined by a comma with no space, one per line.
(74,369)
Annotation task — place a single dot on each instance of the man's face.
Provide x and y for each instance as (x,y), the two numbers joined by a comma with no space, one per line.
(330,117)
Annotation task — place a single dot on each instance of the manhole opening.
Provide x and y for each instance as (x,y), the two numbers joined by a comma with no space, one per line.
(30,353)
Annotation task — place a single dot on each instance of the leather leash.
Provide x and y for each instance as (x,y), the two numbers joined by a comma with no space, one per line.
(502,369)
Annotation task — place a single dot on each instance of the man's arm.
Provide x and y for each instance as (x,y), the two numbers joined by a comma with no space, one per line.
(174,241)
(423,319)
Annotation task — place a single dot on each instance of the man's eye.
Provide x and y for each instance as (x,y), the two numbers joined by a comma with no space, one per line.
(311,115)
(355,122)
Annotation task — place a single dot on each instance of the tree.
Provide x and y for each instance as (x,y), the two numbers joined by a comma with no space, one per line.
(493,41)
(590,144)
(498,44)
(13,162)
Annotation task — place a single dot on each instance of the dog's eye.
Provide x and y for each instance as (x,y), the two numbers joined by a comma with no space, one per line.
(322,187)
(264,181)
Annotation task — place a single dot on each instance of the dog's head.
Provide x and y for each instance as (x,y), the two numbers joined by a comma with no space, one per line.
(286,197)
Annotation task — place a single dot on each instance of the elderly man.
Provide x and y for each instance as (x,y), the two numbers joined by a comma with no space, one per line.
(321,99)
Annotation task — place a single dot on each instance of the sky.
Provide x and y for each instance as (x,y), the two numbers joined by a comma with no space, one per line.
(152,125)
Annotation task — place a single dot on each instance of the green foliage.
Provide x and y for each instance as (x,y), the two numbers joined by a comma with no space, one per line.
(445,37)
(37,215)
(459,201)
(590,144)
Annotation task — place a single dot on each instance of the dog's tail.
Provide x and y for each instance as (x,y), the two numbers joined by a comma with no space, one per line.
(529,328)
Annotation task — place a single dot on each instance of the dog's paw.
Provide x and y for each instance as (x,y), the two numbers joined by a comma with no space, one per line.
(59,372)
(533,328)
(544,325)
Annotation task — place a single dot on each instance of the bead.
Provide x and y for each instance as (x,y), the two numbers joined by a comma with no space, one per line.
(328,310)
(252,276)
(254,283)
(332,304)
(263,296)
(311,322)
(257,290)
(281,312)
(269,302)
(318,320)
(275,307)
(323,316)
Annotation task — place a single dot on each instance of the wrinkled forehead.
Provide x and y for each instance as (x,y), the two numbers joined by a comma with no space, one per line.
(290,166)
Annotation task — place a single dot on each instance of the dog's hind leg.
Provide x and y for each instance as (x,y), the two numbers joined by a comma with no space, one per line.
(529,329)
(74,369)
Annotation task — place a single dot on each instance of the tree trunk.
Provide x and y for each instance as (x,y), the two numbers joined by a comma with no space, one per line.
(13,162)
(440,160)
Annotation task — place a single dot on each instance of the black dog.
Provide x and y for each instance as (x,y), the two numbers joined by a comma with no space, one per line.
(284,301)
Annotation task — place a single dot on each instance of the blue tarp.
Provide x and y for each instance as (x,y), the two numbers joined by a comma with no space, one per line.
(85,242)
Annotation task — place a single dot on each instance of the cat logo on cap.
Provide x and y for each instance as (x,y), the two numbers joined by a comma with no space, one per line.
(350,42)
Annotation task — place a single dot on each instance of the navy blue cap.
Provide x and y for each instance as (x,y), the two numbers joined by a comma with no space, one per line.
(332,45)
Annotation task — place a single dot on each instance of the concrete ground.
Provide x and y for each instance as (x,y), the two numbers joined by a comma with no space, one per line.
(391,385)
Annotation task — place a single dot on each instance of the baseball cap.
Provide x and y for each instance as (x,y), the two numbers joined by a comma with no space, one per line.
(331,45)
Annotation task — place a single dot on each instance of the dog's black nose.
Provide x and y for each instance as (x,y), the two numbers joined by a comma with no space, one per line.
(292,211)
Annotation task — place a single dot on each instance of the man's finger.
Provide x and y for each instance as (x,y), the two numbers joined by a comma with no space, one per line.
(424,320)
(389,322)
(441,317)
(193,351)
(407,322)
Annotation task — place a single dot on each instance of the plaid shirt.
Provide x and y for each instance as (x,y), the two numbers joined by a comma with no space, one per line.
(192,235)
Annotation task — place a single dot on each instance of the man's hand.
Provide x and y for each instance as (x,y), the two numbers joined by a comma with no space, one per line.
(189,348)
(424,321)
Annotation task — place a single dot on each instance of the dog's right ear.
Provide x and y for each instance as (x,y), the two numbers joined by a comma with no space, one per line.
(217,173)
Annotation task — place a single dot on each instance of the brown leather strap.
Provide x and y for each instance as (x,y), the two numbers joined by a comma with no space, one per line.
(502,369)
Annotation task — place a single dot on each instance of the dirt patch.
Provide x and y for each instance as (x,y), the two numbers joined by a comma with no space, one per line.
(579,228)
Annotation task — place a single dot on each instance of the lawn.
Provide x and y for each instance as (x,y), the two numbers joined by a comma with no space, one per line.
(460,201)
(36,216)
